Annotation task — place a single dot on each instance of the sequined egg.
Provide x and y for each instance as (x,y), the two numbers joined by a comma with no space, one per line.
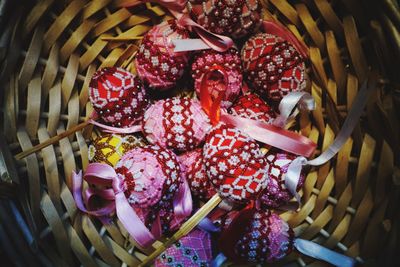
(109,148)
(272,66)
(226,17)
(234,164)
(251,106)
(118,97)
(177,123)
(229,62)
(257,237)
(156,62)
(276,194)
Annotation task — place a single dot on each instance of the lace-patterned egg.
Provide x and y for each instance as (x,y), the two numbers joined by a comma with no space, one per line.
(156,62)
(234,164)
(118,97)
(177,123)
(251,106)
(272,66)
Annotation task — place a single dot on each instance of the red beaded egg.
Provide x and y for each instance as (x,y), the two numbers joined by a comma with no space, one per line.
(156,62)
(276,194)
(229,62)
(235,18)
(251,106)
(234,164)
(273,66)
(257,237)
(118,97)
(196,176)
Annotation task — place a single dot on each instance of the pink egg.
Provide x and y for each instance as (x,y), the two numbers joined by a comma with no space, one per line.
(176,123)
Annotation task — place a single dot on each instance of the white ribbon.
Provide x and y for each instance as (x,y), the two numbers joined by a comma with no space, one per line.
(292,175)
(303,100)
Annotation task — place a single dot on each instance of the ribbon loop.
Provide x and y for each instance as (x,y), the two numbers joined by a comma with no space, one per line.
(292,176)
(303,100)
(322,253)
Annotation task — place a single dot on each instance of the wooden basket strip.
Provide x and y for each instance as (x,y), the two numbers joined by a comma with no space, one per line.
(90,55)
(10,109)
(93,7)
(342,167)
(61,23)
(73,113)
(328,14)
(54,114)
(50,72)
(68,158)
(33,106)
(31,59)
(33,175)
(311,26)
(287,10)
(68,82)
(325,192)
(35,15)
(384,175)
(111,21)
(79,248)
(324,169)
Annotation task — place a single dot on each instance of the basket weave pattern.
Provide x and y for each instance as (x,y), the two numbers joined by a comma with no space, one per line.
(347,203)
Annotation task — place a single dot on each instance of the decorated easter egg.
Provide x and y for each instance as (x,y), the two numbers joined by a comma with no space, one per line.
(235,18)
(193,249)
(234,164)
(272,66)
(118,97)
(156,62)
(251,106)
(109,148)
(229,63)
(176,123)
(257,237)
(276,194)
(196,176)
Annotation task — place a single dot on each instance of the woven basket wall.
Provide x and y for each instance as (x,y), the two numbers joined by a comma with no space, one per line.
(349,204)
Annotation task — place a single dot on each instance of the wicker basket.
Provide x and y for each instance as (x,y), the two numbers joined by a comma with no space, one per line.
(349,204)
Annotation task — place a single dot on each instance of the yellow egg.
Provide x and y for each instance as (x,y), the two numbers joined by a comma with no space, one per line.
(110,148)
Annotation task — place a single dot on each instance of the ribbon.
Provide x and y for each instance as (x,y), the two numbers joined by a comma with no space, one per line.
(178,5)
(303,100)
(218,260)
(103,174)
(273,27)
(183,204)
(294,170)
(212,106)
(207,225)
(110,129)
(272,135)
(319,252)
(214,41)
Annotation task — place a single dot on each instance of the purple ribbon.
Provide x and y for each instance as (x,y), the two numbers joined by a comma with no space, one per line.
(322,253)
(207,225)
(218,260)
(293,173)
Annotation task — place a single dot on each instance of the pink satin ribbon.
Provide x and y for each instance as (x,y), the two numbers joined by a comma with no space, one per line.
(272,135)
(110,129)
(293,173)
(105,175)
(273,27)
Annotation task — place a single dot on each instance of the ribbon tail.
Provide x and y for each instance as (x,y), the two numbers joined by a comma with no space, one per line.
(319,252)
(292,176)
(131,221)
(218,260)
(207,226)
(183,204)
(110,129)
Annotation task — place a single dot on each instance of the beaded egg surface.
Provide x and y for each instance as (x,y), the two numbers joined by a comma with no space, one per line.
(192,250)
(118,97)
(149,174)
(196,176)
(234,164)
(251,106)
(263,238)
(276,194)
(235,18)
(156,62)
(109,148)
(273,66)
(176,123)
(230,62)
